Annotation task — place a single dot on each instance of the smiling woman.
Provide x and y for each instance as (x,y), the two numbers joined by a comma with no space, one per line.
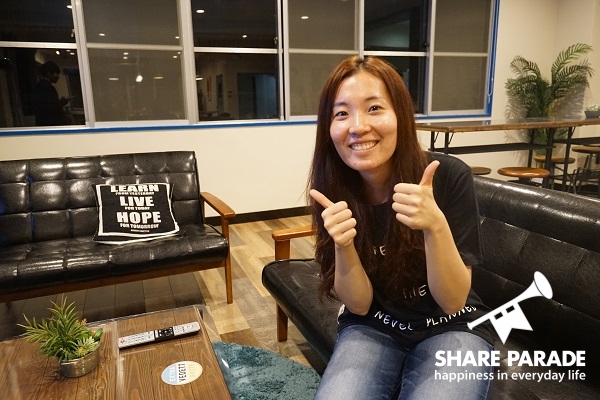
(373,188)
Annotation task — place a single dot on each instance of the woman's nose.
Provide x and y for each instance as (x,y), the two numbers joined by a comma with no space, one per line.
(359,124)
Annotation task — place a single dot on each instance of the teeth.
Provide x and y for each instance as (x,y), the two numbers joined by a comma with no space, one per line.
(362,146)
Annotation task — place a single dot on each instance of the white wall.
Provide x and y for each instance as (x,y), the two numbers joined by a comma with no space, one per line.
(265,168)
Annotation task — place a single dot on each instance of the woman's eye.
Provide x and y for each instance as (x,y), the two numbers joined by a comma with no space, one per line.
(340,114)
(374,108)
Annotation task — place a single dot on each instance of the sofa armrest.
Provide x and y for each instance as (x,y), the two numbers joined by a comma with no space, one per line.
(283,237)
(218,205)
(282,240)
(226,214)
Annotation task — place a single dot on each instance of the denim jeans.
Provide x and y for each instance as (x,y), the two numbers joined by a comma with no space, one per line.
(367,364)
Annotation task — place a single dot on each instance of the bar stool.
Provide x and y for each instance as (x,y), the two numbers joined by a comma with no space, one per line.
(587,174)
(592,151)
(524,174)
(481,170)
(555,163)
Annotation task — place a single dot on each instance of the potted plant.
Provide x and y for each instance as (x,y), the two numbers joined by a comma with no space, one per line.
(592,111)
(531,95)
(67,338)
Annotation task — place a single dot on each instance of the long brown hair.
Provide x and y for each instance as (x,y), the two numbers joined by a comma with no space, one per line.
(404,263)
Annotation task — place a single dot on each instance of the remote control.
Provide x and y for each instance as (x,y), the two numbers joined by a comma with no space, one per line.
(159,335)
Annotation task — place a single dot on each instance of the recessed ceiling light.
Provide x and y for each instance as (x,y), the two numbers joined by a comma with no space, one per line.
(304,17)
(113,79)
(125,53)
(244,36)
(102,34)
(200,11)
(199,78)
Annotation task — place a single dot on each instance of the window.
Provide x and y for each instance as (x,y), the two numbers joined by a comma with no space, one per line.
(236,46)
(173,62)
(398,32)
(33,33)
(461,56)
(134,52)
(321,34)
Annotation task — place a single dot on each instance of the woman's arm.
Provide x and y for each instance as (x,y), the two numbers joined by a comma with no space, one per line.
(351,283)
(448,278)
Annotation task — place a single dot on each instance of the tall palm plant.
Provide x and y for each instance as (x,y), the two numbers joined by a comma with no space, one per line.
(531,95)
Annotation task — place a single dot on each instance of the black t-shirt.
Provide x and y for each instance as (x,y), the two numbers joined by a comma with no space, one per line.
(454,192)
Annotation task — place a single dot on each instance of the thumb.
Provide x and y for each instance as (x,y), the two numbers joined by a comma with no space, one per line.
(320,198)
(427,179)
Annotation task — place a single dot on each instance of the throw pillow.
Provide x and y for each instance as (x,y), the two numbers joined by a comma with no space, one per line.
(134,212)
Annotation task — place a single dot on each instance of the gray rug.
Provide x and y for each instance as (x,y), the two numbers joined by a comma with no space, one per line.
(257,374)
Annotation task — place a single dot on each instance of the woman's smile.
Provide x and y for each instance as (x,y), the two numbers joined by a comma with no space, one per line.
(363,146)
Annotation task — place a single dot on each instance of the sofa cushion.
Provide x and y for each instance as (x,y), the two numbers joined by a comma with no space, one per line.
(42,264)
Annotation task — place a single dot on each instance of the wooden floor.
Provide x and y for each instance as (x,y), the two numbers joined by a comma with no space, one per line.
(250,320)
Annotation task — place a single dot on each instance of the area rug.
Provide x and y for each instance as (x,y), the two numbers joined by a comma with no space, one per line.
(253,373)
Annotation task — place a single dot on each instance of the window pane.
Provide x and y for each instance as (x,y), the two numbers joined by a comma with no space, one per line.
(36,21)
(459,83)
(237,86)
(308,73)
(392,25)
(131,21)
(462,25)
(241,23)
(318,24)
(412,70)
(22,96)
(137,86)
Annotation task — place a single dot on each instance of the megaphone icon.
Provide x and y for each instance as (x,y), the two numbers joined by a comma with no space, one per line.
(510,316)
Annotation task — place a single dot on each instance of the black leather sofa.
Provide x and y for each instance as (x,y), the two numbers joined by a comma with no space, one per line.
(524,229)
(48,216)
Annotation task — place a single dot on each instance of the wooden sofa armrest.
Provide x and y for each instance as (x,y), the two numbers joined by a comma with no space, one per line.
(282,240)
(218,205)
(226,214)
(283,237)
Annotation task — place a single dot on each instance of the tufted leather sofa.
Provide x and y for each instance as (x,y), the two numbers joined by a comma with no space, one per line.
(524,229)
(48,216)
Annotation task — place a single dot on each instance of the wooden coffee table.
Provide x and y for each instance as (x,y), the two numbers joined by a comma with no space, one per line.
(133,373)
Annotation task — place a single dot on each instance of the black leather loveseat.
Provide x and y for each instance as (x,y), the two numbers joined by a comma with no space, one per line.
(524,229)
(48,216)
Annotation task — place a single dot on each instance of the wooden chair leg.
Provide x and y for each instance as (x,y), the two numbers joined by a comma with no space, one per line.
(282,325)
(228,275)
(228,280)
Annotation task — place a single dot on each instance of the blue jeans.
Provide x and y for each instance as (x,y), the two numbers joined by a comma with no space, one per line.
(367,364)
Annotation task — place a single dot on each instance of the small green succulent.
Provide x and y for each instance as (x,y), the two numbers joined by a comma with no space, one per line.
(62,335)
(593,107)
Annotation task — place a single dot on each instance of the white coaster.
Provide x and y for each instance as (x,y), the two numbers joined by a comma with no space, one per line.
(181,372)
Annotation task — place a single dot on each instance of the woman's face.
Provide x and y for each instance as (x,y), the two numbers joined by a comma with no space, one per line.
(364,126)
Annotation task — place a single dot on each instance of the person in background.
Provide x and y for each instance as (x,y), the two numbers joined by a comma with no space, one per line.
(397,235)
(48,107)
